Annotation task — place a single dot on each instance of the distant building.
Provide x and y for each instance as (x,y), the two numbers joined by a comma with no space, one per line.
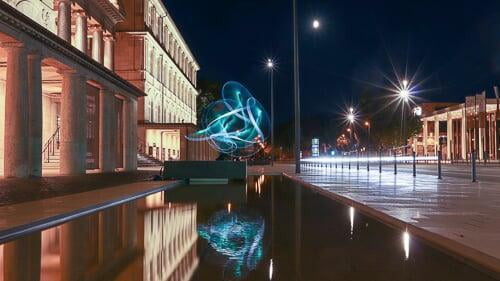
(459,129)
(152,55)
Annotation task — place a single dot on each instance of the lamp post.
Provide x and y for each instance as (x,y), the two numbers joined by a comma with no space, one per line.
(296,82)
(368,128)
(351,118)
(270,66)
(404,95)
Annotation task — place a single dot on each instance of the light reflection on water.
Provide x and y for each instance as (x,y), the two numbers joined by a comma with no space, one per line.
(238,237)
(270,230)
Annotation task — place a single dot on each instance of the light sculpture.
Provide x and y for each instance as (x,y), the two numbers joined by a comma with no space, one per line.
(236,125)
(237,239)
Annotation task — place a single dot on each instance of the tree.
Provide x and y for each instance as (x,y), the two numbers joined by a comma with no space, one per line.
(209,91)
(385,118)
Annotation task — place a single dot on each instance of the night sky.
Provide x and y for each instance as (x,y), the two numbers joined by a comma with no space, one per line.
(454,45)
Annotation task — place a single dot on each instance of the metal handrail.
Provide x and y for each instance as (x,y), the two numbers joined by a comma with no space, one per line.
(51,146)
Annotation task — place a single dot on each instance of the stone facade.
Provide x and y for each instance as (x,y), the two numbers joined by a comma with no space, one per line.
(152,55)
(64,110)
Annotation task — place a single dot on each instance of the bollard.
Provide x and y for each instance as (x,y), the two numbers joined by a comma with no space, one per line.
(414,164)
(357,160)
(367,161)
(395,165)
(380,161)
(349,160)
(473,160)
(439,164)
(342,162)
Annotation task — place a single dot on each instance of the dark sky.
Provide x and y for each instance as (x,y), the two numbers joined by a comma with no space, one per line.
(455,43)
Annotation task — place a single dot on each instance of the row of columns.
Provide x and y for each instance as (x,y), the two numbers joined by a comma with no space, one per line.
(116,230)
(102,46)
(449,134)
(23,119)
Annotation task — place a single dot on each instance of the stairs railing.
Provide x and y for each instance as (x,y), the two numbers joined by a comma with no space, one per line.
(51,146)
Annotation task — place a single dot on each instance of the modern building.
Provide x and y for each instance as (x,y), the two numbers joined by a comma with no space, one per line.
(459,129)
(63,109)
(152,55)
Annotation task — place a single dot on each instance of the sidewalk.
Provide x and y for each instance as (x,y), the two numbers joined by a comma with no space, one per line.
(459,216)
(13,191)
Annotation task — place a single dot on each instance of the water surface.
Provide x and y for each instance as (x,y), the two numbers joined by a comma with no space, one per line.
(268,228)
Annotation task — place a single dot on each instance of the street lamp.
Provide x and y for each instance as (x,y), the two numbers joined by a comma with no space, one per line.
(270,66)
(296,82)
(316,24)
(404,95)
(368,129)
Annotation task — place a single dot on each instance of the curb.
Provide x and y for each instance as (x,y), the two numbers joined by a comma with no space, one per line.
(19,231)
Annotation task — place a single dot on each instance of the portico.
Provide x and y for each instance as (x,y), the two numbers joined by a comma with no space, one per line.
(62,109)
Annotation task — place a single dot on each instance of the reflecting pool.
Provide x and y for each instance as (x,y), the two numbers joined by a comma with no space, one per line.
(269,228)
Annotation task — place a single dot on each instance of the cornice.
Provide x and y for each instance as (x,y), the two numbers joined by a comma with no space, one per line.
(21,23)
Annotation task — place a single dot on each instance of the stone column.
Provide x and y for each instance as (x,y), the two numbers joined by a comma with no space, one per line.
(109,47)
(109,238)
(106,117)
(130,135)
(129,225)
(35,114)
(16,145)
(81,31)
(64,20)
(21,258)
(464,135)
(73,115)
(97,52)
(73,241)
(449,136)
(481,144)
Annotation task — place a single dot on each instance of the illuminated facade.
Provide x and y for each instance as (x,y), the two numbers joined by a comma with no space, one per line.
(63,109)
(168,237)
(459,129)
(152,54)
(146,240)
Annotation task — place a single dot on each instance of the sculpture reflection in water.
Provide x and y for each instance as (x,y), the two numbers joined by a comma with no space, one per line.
(237,238)
(236,125)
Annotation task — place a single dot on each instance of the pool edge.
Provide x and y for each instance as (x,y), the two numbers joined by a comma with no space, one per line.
(38,225)
(466,254)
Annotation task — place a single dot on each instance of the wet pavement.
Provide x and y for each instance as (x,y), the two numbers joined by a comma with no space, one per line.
(268,228)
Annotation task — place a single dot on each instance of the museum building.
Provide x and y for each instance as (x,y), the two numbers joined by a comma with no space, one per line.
(152,54)
(64,109)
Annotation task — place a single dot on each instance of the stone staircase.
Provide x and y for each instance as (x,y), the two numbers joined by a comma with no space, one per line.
(144,160)
(50,153)
(52,163)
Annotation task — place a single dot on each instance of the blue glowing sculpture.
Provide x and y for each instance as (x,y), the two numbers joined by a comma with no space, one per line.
(238,238)
(236,125)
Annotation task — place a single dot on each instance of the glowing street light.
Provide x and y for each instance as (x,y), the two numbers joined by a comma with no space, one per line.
(404,94)
(316,24)
(296,81)
(270,65)
(350,118)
